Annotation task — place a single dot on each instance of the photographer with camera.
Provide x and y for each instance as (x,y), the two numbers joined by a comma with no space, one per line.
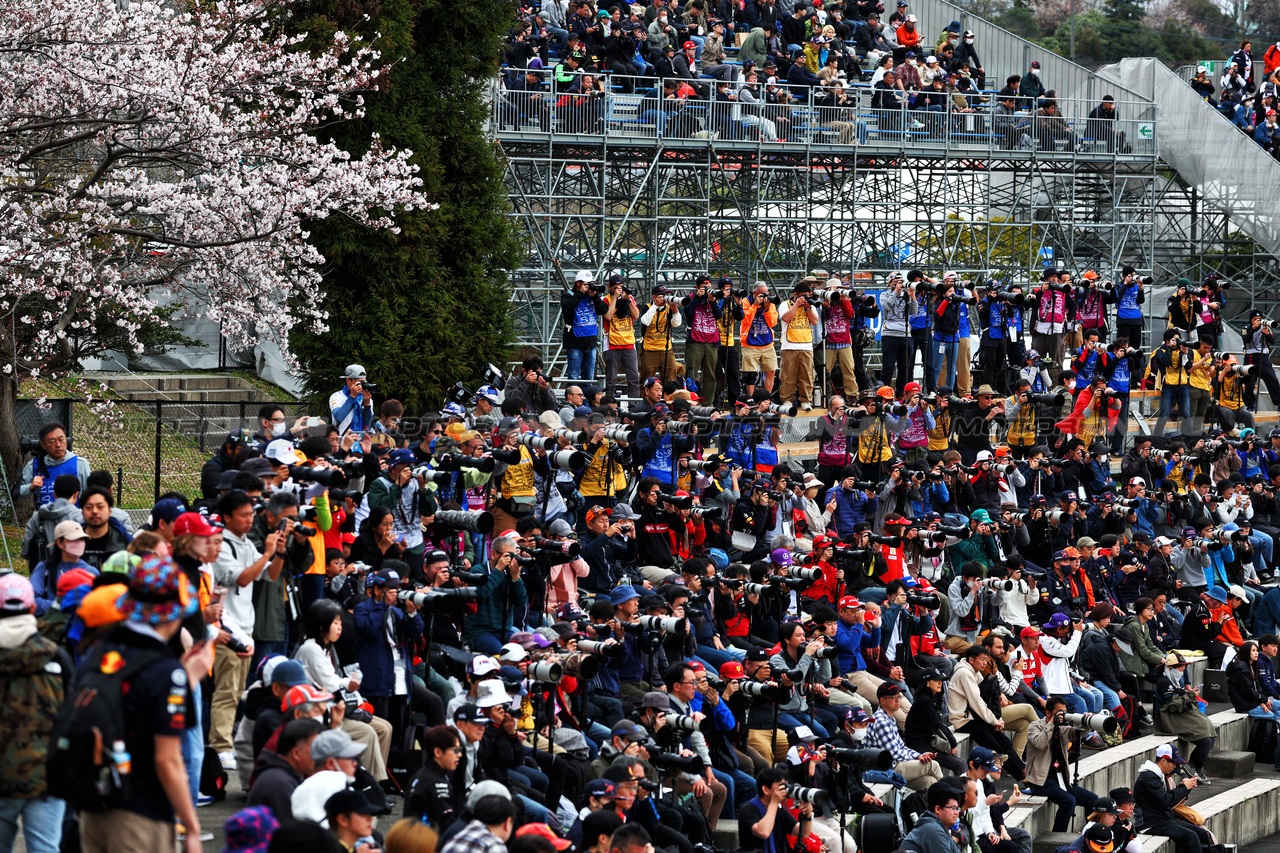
(1129,295)
(854,637)
(682,684)
(608,545)
(529,388)
(1122,369)
(398,490)
(946,332)
(702,313)
(802,670)
(274,597)
(386,631)
(1049,765)
(503,591)
(759,360)
(1092,300)
(764,823)
(1258,340)
(799,323)
(1055,306)
(729,351)
(351,406)
(969,712)
(993,354)
(1090,360)
(579,308)
(1170,364)
(898,302)
(657,357)
(622,310)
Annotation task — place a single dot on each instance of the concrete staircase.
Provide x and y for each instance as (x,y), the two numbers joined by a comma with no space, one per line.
(185,388)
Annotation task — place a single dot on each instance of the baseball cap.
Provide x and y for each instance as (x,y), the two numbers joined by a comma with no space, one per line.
(1217,593)
(354,371)
(290,673)
(624,511)
(194,524)
(849,601)
(1029,632)
(348,800)
(984,758)
(334,743)
(1237,591)
(250,829)
(281,450)
(655,699)
(629,730)
(73,578)
(780,556)
(1058,620)
(1105,805)
(805,734)
(384,577)
(69,530)
(541,830)
(757,654)
(731,670)
(1169,751)
(600,788)
(167,510)
(560,527)
(888,688)
(16,593)
(511,652)
(470,713)
(1121,796)
(483,664)
(403,456)
(854,714)
(596,511)
(301,694)
(981,516)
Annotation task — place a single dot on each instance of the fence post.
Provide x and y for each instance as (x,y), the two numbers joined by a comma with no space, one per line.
(242,404)
(119,487)
(159,414)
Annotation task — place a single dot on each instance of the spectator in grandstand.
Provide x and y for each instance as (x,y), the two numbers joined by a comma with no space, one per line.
(1102,127)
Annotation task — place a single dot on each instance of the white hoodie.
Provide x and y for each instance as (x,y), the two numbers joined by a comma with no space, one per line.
(1056,672)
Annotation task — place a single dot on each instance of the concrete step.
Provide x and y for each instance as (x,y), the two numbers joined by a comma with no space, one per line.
(172,382)
(1047,842)
(1237,816)
(1230,764)
(214,395)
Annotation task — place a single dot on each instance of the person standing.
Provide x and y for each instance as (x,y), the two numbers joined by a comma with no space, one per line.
(729,354)
(759,360)
(1129,298)
(899,306)
(38,477)
(579,309)
(622,312)
(351,406)
(34,673)
(1258,341)
(702,311)
(799,318)
(837,320)
(656,355)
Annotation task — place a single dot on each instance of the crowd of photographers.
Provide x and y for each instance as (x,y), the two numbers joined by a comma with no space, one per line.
(635,617)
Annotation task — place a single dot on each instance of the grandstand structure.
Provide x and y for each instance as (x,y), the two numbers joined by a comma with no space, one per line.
(618,193)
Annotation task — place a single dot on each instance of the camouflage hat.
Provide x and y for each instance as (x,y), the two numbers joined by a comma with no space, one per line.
(485,423)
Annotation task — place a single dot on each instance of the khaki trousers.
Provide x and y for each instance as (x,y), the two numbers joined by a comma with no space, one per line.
(964,381)
(1017,717)
(229,673)
(657,362)
(920,775)
(866,683)
(375,737)
(848,373)
(712,801)
(125,832)
(797,369)
(758,739)
(957,645)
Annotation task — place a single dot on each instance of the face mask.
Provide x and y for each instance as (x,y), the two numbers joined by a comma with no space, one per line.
(911,62)
(968,41)
(279,429)
(74,548)
(1071,384)
(859,735)
(1035,72)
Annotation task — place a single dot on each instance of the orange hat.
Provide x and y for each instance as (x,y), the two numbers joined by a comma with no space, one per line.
(1002,450)
(886,392)
(98,607)
(1089,274)
(542,830)
(1072,553)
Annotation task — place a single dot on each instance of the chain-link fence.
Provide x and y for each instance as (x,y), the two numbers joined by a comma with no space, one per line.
(150,447)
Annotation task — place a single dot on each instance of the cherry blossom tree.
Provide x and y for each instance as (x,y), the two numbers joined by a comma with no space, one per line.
(154,153)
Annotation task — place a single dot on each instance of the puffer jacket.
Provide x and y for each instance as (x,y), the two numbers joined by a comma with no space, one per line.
(34,673)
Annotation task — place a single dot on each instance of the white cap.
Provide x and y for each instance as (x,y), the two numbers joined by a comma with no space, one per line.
(491,693)
(804,733)
(482,665)
(1237,591)
(282,451)
(984,456)
(1137,481)
(931,60)
(1203,69)
(513,652)
(949,274)
(1163,540)
(585,275)
(912,18)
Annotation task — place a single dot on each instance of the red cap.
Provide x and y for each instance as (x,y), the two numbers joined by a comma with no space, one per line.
(732,669)
(1029,632)
(690,46)
(820,542)
(301,694)
(911,388)
(696,666)
(897,521)
(543,831)
(73,578)
(849,601)
(194,524)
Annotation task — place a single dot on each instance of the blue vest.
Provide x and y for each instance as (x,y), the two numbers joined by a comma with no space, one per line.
(584,319)
(1128,308)
(964,315)
(921,319)
(766,453)
(1015,323)
(740,441)
(1087,367)
(66,466)
(995,321)
(662,464)
(1119,381)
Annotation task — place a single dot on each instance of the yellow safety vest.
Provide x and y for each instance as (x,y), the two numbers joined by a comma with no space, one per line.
(517,481)
(657,335)
(595,477)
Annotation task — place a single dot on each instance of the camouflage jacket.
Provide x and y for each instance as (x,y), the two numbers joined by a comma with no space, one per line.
(34,675)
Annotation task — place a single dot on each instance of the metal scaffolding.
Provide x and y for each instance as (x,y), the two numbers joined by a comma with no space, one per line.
(660,211)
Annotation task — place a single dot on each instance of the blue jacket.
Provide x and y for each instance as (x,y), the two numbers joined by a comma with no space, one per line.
(933,497)
(497,592)
(46,588)
(350,413)
(372,650)
(1266,677)
(1267,620)
(1097,479)
(851,508)
(850,641)
(919,625)
(1148,512)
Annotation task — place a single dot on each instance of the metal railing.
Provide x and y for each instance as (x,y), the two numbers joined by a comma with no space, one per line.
(631,109)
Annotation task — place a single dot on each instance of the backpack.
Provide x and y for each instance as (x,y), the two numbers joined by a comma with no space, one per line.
(83,768)
(213,777)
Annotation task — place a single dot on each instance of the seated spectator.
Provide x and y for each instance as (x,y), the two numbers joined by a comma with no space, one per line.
(280,771)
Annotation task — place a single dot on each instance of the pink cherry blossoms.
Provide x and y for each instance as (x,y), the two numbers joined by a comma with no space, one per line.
(150,149)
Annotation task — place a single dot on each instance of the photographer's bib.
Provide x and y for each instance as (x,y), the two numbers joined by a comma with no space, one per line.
(703,328)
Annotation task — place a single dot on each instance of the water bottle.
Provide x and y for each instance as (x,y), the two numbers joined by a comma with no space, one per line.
(120,758)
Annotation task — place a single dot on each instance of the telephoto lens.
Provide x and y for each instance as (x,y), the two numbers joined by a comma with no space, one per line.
(662,623)
(817,796)
(1102,722)
(600,647)
(475,521)
(682,722)
(538,442)
(546,671)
